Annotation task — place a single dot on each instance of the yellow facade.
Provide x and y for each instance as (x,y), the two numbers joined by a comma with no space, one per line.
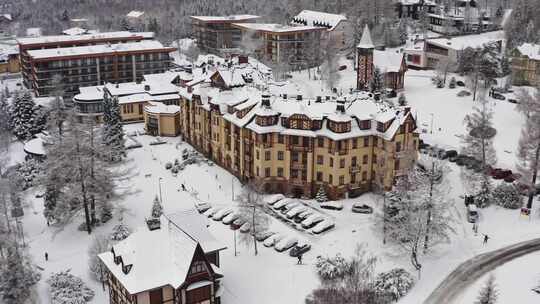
(525,71)
(277,162)
(11,65)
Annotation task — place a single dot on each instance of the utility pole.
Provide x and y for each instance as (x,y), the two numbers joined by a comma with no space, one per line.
(160,197)
(431,129)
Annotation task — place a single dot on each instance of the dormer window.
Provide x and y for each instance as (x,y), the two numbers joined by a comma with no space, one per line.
(117,260)
(365,124)
(197,267)
(127,268)
(339,127)
(380,126)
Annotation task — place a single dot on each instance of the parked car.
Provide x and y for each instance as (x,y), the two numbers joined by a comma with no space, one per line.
(299,249)
(472,213)
(230,218)
(261,236)
(219,215)
(332,205)
(285,243)
(303,215)
(342,67)
(274,199)
(498,96)
(323,226)
(361,208)
(450,153)
(202,206)
(312,220)
(463,93)
(390,93)
(295,211)
(289,206)
(281,204)
(460,83)
(211,211)
(245,228)
(512,100)
(273,239)
(498,173)
(238,223)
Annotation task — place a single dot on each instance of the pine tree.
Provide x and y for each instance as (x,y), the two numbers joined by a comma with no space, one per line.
(23,115)
(488,294)
(377,82)
(16,276)
(4,113)
(113,132)
(157,209)
(402,100)
(321,195)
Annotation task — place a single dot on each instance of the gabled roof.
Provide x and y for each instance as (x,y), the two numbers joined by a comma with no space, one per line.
(530,50)
(75,31)
(387,61)
(314,18)
(135,14)
(231,18)
(159,257)
(277,28)
(230,77)
(365,41)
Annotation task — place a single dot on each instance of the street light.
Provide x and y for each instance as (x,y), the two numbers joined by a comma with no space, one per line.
(431,131)
(160,197)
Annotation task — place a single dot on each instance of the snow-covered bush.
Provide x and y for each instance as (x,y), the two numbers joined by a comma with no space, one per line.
(66,288)
(507,196)
(105,213)
(27,172)
(168,165)
(394,283)
(157,209)
(331,268)
(99,244)
(120,232)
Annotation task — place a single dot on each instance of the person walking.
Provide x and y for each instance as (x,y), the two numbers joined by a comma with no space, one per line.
(46,256)
(299,260)
(486,238)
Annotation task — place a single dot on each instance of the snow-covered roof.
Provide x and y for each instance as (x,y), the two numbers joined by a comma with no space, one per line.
(276,28)
(231,78)
(34,146)
(167,76)
(33,32)
(231,18)
(365,41)
(195,225)
(462,42)
(387,61)
(95,36)
(145,45)
(135,14)
(75,31)
(416,2)
(160,257)
(314,18)
(161,108)
(530,50)
(7,16)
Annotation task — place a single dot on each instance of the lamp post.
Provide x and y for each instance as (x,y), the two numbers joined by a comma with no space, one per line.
(431,130)
(160,197)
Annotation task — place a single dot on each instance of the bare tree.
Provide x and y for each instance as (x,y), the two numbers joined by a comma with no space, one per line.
(527,102)
(252,209)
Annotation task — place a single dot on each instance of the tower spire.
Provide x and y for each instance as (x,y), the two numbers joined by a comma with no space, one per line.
(365,41)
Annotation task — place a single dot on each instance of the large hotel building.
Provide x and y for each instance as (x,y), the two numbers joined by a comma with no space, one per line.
(90,60)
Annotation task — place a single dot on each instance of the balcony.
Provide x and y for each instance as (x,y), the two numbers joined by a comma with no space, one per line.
(300,148)
(354,169)
(298,165)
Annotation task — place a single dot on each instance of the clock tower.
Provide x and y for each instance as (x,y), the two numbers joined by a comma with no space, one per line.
(364,59)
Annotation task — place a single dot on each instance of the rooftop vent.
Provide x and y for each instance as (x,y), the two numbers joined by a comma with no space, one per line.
(299,97)
(340,107)
(265,100)
(147,87)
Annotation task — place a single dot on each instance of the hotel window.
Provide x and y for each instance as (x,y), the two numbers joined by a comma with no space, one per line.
(364,176)
(366,141)
(331,162)
(353,161)
(294,140)
(319,176)
(257,171)
(365,159)
(354,143)
(281,139)
(353,178)
(294,156)
(342,163)
(396,164)
(330,179)
(267,155)
(197,267)
(257,155)
(398,146)
(280,155)
(294,173)
(320,142)
(280,172)
(375,142)
(342,180)
(267,172)
(320,160)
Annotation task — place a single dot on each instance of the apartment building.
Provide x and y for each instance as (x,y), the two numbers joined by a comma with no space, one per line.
(336,25)
(526,64)
(86,60)
(216,35)
(296,146)
(296,46)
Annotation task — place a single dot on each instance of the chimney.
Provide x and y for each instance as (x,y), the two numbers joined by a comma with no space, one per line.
(340,107)
(265,100)
(116,85)
(299,97)
(190,89)
(147,87)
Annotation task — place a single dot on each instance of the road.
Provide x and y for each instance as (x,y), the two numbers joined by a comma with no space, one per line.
(469,271)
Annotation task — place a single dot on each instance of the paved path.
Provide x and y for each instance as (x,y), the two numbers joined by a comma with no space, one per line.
(469,271)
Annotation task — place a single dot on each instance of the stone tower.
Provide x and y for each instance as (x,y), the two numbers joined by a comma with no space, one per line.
(364,55)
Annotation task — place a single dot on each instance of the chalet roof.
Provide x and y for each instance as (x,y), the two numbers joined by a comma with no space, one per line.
(462,42)
(230,18)
(159,258)
(135,14)
(231,77)
(387,61)
(161,108)
(75,31)
(94,36)
(365,41)
(277,28)
(314,18)
(530,50)
(144,45)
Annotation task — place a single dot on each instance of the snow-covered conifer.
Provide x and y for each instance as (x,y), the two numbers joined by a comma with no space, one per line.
(507,196)
(157,209)
(113,132)
(66,288)
(17,275)
(120,232)
(321,195)
(23,115)
(394,283)
(488,294)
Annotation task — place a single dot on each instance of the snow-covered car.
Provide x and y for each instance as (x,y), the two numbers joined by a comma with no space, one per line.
(361,208)
(463,93)
(271,200)
(273,239)
(263,235)
(289,207)
(231,217)
(245,228)
(295,211)
(323,226)
(332,205)
(285,243)
(238,223)
(202,206)
(218,216)
(312,220)
(299,249)
(303,215)
(281,204)
(210,212)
